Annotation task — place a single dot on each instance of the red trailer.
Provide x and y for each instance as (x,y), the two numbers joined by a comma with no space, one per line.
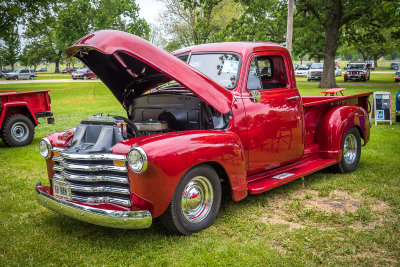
(19,113)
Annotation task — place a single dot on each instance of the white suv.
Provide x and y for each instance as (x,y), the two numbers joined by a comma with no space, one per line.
(315,71)
(21,74)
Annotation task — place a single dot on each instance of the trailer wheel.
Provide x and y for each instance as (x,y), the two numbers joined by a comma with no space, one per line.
(351,152)
(195,202)
(17,130)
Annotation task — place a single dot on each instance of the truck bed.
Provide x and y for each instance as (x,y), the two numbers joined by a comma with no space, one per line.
(360,99)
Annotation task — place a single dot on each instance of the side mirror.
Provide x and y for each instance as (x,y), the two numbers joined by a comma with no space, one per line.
(256,96)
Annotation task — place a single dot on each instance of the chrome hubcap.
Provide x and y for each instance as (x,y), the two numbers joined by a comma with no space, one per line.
(19,131)
(197,199)
(350,149)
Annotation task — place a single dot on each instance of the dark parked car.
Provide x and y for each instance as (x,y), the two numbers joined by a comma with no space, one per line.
(41,69)
(357,71)
(394,65)
(83,73)
(1,74)
(69,70)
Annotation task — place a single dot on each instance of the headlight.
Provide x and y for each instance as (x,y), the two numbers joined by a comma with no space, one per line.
(137,159)
(45,148)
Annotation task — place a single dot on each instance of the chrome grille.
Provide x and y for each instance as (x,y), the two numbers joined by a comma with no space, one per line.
(93,178)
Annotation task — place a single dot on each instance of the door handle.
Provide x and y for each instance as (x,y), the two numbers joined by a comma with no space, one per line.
(293,98)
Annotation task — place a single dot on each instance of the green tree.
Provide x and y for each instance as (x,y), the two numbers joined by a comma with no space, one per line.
(62,25)
(196,22)
(19,12)
(12,46)
(376,35)
(261,20)
(332,16)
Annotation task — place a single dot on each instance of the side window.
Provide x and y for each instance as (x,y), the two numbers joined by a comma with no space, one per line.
(267,72)
(183,57)
(24,71)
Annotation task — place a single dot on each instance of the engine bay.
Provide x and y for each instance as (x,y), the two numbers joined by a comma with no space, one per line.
(147,115)
(170,112)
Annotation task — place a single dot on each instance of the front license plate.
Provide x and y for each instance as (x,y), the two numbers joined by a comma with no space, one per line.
(62,189)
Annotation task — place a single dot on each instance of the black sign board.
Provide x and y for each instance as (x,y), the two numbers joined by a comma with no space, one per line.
(382,107)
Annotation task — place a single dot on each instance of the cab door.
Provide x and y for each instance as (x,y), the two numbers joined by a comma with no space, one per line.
(275,123)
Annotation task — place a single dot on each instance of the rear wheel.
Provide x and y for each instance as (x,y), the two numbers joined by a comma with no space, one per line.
(351,152)
(195,202)
(17,130)
(15,77)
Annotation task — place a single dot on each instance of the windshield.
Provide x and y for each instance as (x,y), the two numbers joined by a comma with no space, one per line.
(355,66)
(317,66)
(82,69)
(302,68)
(222,68)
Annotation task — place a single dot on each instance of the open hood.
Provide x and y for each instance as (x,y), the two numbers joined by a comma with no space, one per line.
(129,66)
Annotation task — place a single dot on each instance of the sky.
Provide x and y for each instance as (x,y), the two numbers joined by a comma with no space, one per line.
(149,9)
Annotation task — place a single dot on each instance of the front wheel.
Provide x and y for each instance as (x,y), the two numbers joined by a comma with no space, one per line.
(351,152)
(15,77)
(17,130)
(195,203)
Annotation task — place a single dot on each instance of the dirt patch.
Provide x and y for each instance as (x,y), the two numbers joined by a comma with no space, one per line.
(283,209)
(337,202)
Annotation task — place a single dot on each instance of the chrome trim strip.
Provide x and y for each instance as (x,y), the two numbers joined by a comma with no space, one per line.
(57,176)
(58,149)
(94,178)
(58,168)
(95,200)
(93,156)
(108,218)
(99,167)
(100,189)
(58,159)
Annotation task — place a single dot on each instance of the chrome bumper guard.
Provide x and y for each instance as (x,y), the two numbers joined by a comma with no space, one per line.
(108,218)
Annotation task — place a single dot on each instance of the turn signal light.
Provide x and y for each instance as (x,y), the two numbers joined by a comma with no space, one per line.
(119,162)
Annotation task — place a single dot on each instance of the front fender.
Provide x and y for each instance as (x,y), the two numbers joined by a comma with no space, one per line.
(333,125)
(171,155)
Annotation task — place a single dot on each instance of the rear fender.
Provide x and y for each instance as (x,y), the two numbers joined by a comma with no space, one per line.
(171,155)
(9,109)
(333,125)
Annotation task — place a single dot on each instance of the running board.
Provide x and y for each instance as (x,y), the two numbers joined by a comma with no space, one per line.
(280,176)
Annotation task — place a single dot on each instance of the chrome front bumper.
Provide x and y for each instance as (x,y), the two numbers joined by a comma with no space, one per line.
(103,217)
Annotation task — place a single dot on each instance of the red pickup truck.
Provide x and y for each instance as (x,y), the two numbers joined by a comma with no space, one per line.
(208,115)
(19,113)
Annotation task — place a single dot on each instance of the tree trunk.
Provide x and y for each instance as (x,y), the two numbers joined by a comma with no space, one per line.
(331,44)
(376,61)
(289,29)
(57,70)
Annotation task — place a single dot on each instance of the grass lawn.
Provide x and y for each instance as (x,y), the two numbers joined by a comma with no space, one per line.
(322,219)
